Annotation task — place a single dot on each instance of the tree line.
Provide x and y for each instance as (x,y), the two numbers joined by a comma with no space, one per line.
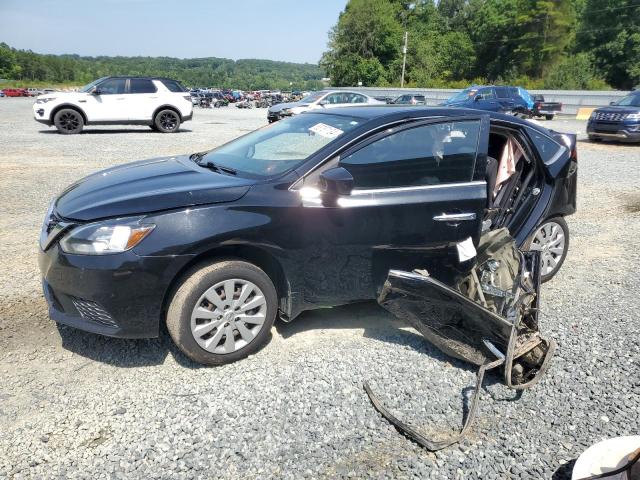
(554,44)
(29,67)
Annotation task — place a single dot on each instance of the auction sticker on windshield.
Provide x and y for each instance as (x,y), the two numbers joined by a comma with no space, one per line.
(325,130)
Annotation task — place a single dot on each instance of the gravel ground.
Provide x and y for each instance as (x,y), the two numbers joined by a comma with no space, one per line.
(75,405)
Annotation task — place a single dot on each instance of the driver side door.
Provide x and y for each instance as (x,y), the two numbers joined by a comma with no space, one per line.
(418,190)
(108,103)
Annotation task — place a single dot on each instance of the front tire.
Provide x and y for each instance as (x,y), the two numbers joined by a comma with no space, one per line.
(68,121)
(167,121)
(548,117)
(551,239)
(222,312)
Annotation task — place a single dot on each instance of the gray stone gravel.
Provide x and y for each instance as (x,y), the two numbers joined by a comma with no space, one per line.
(75,405)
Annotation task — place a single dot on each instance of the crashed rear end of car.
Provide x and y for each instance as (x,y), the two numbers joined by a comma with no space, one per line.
(488,317)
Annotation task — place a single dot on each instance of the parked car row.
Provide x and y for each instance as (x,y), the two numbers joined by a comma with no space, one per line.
(24,92)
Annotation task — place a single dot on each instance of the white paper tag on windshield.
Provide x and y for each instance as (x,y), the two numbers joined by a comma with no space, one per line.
(325,130)
(466,250)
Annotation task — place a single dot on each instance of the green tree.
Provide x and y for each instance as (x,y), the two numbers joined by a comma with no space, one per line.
(365,44)
(610,31)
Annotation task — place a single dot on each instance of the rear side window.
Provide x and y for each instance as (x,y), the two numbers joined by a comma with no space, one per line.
(173,86)
(547,147)
(141,85)
(425,155)
(419,98)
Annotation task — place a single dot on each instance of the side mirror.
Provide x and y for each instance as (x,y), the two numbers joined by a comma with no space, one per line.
(334,183)
(477,98)
(612,103)
(95,91)
(323,103)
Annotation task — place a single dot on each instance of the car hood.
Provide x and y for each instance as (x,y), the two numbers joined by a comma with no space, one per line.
(281,106)
(148,186)
(615,109)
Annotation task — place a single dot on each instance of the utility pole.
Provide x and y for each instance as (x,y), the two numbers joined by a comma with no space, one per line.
(404,57)
(405,14)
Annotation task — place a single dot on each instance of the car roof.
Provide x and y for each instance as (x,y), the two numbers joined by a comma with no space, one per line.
(397,112)
(142,77)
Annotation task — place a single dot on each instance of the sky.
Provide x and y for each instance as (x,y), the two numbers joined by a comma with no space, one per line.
(290,30)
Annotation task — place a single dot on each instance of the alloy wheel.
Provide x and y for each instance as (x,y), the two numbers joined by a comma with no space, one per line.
(228,316)
(549,240)
(69,121)
(168,120)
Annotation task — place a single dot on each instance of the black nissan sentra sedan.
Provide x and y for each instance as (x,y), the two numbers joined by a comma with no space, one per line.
(308,212)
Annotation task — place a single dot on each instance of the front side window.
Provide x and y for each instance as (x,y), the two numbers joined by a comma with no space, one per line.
(89,86)
(487,93)
(141,85)
(423,155)
(466,94)
(281,146)
(112,86)
(337,98)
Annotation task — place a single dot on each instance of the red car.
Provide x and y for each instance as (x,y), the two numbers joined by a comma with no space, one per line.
(15,92)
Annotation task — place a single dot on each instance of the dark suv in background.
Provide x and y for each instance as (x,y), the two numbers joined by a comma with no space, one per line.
(502,99)
(618,121)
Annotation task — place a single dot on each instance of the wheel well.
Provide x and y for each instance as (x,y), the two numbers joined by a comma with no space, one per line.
(165,107)
(70,107)
(257,256)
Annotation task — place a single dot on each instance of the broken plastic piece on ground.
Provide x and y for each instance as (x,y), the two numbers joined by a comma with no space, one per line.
(489,318)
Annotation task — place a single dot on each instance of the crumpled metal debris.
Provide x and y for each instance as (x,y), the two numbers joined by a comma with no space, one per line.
(488,318)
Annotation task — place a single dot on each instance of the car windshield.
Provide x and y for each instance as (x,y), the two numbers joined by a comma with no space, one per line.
(280,146)
(629,101)
(312,97)
(463,95)
(89,86)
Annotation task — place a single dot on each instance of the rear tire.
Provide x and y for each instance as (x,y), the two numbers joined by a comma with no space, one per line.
(68,121)
(551,239)
(222,312)
(594,139)
(167,121)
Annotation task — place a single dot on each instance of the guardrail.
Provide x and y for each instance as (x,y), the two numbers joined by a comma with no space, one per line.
(571,100)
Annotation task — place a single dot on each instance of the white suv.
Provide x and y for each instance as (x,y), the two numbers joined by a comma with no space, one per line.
(161,103)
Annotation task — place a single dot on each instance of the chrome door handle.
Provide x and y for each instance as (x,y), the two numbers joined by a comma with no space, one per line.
(455,217)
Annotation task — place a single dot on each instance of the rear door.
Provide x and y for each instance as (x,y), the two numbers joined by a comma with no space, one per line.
(419,190)
(141,99)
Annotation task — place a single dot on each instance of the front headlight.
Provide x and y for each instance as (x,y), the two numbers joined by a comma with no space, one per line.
(633,116)
(104,238)
(45,100)
(285,111)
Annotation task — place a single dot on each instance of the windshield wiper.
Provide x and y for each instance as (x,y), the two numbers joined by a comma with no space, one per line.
(197,156)
(218,168)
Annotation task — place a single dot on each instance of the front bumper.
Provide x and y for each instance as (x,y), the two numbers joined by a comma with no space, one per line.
(118,295)
(41,114)
(622,131)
